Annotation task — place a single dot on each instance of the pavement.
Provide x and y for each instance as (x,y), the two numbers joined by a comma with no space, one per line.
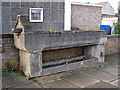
(101,76)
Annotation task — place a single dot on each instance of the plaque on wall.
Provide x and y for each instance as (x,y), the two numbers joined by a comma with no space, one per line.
(36,14)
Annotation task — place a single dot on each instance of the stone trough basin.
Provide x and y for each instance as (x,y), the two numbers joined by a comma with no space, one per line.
(44,52)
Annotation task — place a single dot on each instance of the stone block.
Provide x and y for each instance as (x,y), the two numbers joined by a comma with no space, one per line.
(81,80)
(61,5)
(53,25)
(46,5)
(101,85)
(12,25)
(57,25)
(60,84)
(32,4)
(116,83)
(0,27)
(6,4)
(54,15)
(46,26)
(61,15)
(39,4)
(36,26)
(103,76)
(24,10)
(54,5)
(25,4)
(0,4)
(6,14)
(6,27)
(33,85)
(14,13)
(35,64)
(15,4)
(46,15)
(13,80)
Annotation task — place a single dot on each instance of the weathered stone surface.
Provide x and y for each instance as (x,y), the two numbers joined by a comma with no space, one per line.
(116,82)
(6,4)
(24,4)
(103,76)
(6,13)
(60,84)
(80,80)
(52,81)
(13,79)
(33,43)
(111,69)
(33,85)
(41,40)
(101,85)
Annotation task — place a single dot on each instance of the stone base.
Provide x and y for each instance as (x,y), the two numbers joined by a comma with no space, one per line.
(33,66)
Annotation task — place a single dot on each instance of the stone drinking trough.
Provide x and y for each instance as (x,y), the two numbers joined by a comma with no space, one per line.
(44,52)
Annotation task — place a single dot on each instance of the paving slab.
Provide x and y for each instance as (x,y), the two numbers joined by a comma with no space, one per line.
(112,59)
(112,70)
(92,77)
(33,85)
(116,83)
(13,79)
(86,69)
(80,80)
(49,78)
(101,85)
(60,84)
(103,76)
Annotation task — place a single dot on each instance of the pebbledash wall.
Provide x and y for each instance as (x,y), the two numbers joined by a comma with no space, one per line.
(84,16)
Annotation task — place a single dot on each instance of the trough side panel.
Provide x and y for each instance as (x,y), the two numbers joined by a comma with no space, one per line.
(36,42)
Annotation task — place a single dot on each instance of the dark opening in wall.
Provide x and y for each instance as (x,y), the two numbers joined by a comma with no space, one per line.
(62,56)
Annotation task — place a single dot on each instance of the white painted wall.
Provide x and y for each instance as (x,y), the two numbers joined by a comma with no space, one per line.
(109,21)
(107,9)
(67,22)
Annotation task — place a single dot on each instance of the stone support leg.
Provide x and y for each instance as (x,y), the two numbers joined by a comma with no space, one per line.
(97,51)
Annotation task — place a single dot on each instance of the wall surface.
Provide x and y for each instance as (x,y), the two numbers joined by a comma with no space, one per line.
(86,16)
(113,44)
(107,9)
(8,52)
(53,14)
(109,20)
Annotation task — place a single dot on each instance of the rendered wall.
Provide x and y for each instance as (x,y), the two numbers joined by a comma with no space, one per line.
(86,16)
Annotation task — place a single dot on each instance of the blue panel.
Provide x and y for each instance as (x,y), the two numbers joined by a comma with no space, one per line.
(105,27)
